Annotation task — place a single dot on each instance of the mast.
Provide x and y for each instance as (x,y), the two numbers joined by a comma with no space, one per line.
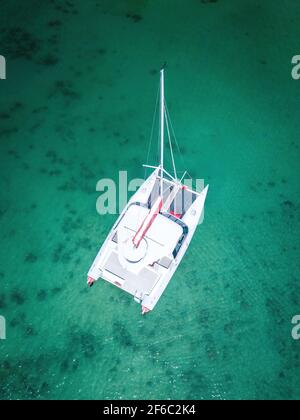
(162,116)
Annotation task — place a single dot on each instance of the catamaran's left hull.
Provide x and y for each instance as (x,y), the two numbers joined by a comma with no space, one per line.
(141,195)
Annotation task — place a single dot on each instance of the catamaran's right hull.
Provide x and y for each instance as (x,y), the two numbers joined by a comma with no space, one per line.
(191,219)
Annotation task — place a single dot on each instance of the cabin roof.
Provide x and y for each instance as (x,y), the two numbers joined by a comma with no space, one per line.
(163,234)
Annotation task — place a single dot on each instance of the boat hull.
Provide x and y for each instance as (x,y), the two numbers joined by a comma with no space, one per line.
(192,221)
(148,283)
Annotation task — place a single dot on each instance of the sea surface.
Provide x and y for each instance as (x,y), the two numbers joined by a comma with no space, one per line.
(77,107)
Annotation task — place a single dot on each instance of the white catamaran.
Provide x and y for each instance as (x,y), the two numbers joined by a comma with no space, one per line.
(153,232)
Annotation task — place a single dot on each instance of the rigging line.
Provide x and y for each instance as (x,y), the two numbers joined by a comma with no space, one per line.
(181,179)
(170,143)
(152,131)
(158,147)
(173,132)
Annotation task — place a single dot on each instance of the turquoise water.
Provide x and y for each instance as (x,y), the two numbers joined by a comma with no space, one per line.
(77,106)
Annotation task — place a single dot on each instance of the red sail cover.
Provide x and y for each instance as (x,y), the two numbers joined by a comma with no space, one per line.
(149,219)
